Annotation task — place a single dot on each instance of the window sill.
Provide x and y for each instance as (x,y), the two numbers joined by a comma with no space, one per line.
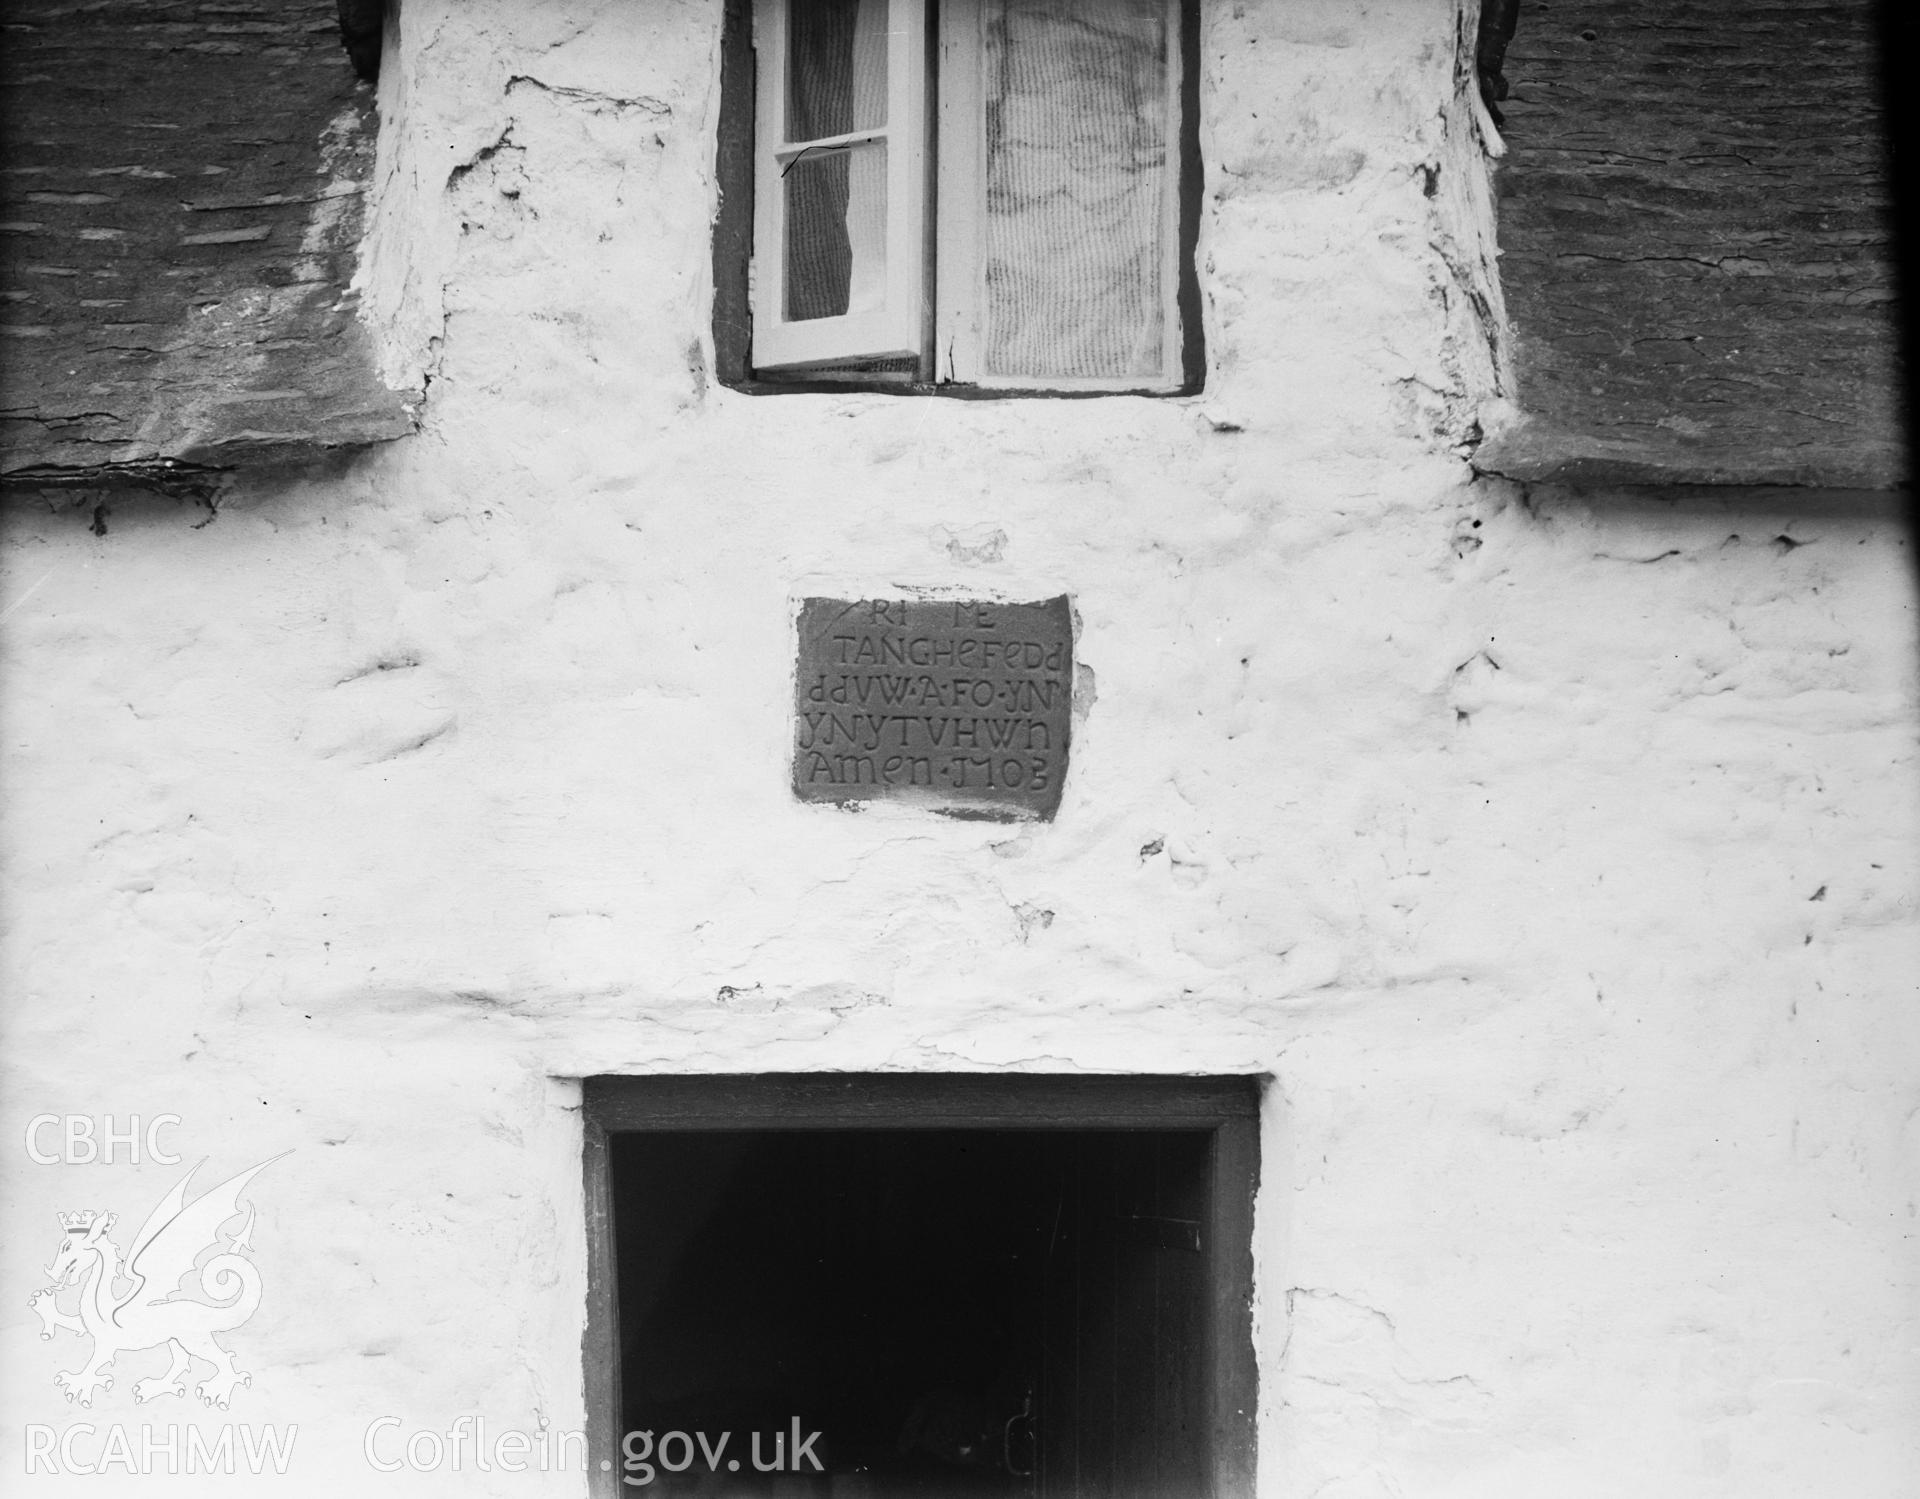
(951,390)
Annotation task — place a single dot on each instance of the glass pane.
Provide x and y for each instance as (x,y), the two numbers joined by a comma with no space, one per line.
(1077,130)
(837,232)
(837,70)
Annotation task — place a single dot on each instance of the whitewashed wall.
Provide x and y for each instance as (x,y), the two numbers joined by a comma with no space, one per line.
(1553,853)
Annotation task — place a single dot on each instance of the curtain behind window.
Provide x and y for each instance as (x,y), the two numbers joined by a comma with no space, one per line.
(1076,164)
(836,199)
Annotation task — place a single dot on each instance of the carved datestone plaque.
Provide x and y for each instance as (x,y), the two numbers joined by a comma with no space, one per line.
(962,706)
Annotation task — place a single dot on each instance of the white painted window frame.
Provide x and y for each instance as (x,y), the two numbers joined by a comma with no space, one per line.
(955,157)
(960,197)
(896,330)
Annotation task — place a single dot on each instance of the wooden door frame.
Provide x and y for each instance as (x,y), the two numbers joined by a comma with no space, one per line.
(1228,1108)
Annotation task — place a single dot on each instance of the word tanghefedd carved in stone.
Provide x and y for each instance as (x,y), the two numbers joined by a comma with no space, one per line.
(959,705)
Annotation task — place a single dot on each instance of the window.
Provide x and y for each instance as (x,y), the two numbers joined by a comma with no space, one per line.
(885,1286)
(989,195)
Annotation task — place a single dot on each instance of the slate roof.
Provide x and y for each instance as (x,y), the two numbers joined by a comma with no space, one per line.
(1696,235)
(183,203)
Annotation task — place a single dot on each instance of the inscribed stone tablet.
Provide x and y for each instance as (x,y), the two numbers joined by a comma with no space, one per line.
(958,705)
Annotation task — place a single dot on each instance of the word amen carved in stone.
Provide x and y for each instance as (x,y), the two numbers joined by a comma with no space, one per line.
(958,705)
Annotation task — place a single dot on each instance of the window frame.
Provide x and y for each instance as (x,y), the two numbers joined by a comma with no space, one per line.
(959,187)
(734,245)
(896,329)
(1226,1107)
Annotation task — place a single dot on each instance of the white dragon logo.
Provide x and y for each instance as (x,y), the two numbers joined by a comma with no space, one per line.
(175,1234)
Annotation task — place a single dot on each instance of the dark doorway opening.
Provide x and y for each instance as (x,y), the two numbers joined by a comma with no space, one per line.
(991,1313)
(968,1288)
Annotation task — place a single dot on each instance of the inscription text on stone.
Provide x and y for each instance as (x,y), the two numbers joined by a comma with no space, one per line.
(963,705)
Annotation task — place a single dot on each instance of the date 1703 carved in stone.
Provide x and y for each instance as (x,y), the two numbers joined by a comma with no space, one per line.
(959,705)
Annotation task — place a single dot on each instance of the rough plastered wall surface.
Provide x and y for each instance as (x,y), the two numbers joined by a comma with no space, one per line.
(1553,853)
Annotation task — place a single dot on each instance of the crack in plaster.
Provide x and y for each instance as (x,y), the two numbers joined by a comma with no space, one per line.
(641,103)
